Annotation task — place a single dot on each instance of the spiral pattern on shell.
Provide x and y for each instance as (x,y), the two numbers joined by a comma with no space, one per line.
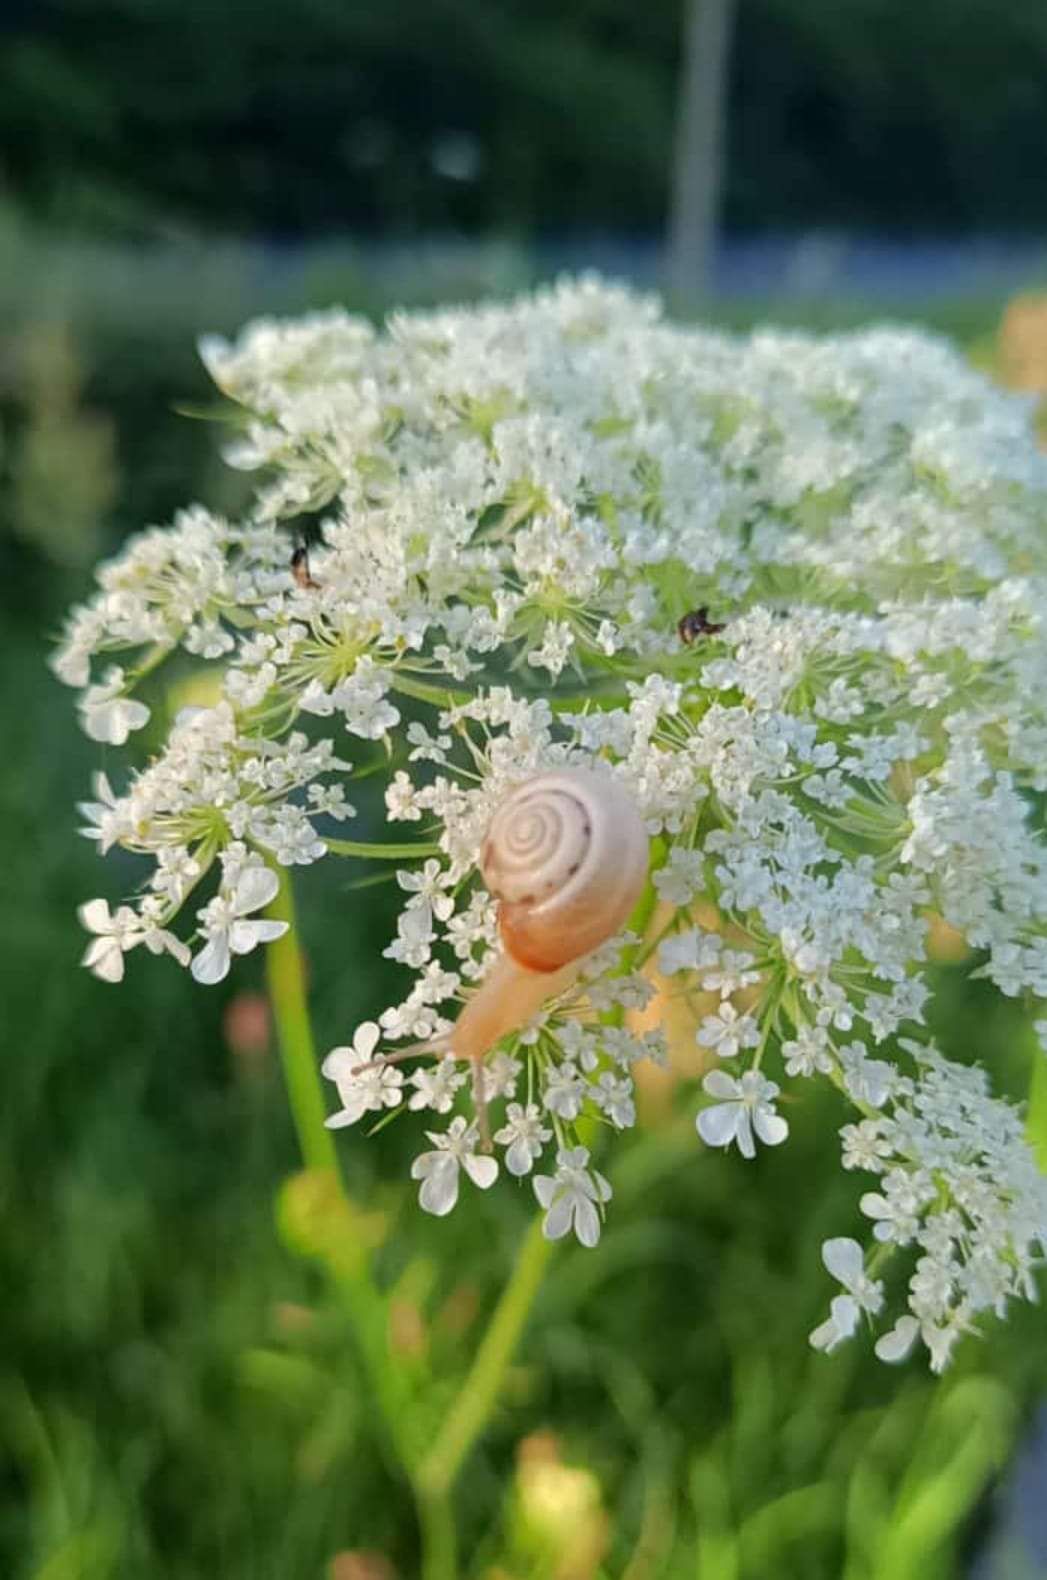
(566,855)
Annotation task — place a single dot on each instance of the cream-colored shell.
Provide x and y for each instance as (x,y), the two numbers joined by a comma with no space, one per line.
(566,856)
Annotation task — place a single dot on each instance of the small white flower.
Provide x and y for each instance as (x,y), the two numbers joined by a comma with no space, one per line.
(413,944)
(728,1032)
(224,925)
(613,1095)
(365,1084)
(430,885)
(106,817)
(865,1146)
(500,1071)
(435,1086)
(523,1135)
(838,1326)
(564,1092)
(731,973)
(678,953)
(867,1080)
(107,715)
(808,1052)
(747,1107)
(896,1210)
(438,1171)
(571,1197)
(682,876)
(114,935)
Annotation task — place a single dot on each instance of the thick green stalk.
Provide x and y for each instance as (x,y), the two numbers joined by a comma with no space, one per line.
(347,1263)
(439,1535)
(434,1477)
(294,1034)
(471,1410)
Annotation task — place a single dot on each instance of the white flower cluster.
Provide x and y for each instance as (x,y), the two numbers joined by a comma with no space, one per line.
(528,507)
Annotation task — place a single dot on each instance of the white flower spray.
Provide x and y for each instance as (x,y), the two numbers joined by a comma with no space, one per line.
(530,509)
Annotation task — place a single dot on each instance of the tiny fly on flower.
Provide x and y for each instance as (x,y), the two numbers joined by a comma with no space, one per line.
(300,569)
(696,624)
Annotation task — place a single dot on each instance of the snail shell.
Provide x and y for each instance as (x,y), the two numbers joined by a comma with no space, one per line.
(566,856)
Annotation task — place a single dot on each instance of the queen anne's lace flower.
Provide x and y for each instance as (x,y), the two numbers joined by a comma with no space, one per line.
(844,1259)
(107,714)
(523,1136)
(744,1114)
(572,1197)
(365,1084)
(224,921)
(519,504)
(438,1171)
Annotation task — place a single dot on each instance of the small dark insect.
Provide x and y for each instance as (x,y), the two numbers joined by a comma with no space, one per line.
(300,569)
(697,624)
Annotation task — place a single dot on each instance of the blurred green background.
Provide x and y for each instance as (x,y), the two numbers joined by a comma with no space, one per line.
(180,1392)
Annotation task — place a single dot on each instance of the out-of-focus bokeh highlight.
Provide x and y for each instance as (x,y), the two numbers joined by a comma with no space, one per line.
(178,1395)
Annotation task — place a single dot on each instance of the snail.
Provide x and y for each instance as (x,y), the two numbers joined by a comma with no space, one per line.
(566,857)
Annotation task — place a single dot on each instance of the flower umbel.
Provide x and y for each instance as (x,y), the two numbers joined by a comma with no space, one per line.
(520,505)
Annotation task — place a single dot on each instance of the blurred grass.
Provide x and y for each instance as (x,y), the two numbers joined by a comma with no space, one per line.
(178,1394)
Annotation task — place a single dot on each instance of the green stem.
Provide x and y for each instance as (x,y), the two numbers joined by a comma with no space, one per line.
(439,1536)
(1036,1115)
(349,1270)
(472,1408)
(295,1035)
(410,851)
(434,1478)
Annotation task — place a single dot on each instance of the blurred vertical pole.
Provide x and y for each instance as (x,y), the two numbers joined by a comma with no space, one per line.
(698,156)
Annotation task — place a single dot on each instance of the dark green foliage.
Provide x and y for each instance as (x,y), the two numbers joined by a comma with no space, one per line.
(299,116)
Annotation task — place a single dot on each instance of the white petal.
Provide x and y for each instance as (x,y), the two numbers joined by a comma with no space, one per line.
(483,1171)
(245,936)
(586,1222)
(256,887)
(718,1126)
(518,1158)
(895,1346)
(544,1189)
(175,947)
(770,1127)
(439,1190)
(719,1084)
(212,963)
(746,1144)
(339,1062)
(558,1218)
(94,915)
(843,1258)
(105,958)
(844,1312)
(347,1116)
(365,1040)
